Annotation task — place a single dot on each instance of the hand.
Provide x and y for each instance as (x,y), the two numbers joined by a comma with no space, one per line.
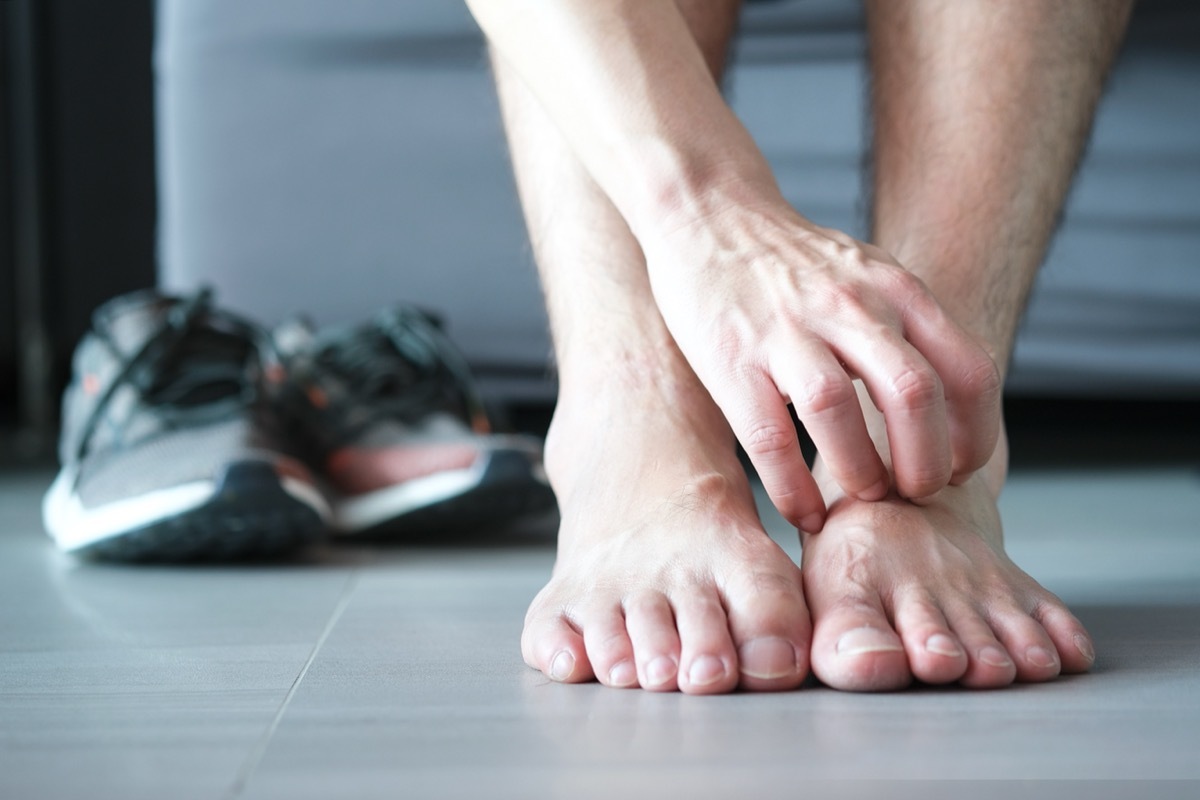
(771,309)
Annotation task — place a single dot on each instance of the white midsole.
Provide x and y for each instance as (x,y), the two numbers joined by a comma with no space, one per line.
(74,527)
(359,513)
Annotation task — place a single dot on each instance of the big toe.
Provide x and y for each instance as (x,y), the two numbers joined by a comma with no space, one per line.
(856,649)
(771,629)
(552,645)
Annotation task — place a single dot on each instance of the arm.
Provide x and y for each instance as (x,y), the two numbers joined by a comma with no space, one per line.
(767,307)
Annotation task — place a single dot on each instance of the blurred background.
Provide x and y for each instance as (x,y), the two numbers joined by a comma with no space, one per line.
(334,157)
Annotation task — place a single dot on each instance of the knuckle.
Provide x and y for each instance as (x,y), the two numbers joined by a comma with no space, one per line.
(770,440)
(845,298)
(910,289)
(823,392)
(916,389)
(982,379)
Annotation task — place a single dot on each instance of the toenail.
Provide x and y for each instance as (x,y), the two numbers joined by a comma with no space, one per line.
(1084,645)
(867,640)
(706,670)
(562,666)
(661,670)
(767,658)
(622,675)
(994,657)
(942,645)
(1040,657)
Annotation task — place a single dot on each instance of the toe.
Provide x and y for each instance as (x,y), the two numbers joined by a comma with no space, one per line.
(553,645)
(988,663)
(708,661)
(856,649)
(650,623)
(771,629)
(1031,649)
(608,647)
(934,653)
(1074,644)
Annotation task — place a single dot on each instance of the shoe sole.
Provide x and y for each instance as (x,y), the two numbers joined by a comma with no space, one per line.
(503,488)
(250,511)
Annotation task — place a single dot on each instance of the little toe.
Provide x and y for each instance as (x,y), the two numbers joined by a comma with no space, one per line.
(856,649)
(552,645)
(989,665)
(771,628)
(708,661)
(934,653)
(608,648)
(650,623)
(1074,644)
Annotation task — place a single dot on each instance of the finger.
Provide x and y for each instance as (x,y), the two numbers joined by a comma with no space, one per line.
(908,391)
(760,420)
(970,379)
(825,400)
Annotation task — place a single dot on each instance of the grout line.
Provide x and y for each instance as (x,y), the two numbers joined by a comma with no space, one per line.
(260,749)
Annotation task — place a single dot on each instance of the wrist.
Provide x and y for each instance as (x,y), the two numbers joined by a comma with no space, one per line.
(683,189)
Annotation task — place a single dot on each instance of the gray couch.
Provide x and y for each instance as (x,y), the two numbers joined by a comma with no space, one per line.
(336,156)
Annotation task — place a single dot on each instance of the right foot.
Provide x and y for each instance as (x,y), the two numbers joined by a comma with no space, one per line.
(665,578)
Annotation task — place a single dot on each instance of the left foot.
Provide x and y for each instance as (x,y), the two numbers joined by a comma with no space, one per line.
(901,591)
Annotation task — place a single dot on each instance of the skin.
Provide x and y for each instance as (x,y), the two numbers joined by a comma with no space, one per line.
(690,303)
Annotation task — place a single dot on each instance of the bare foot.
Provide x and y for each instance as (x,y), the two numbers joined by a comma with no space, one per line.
(665,578)
(901,591)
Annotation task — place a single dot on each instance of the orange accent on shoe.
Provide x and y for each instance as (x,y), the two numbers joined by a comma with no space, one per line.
(317,396)
(356,470)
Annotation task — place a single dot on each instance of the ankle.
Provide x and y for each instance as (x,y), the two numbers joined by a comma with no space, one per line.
(628,417)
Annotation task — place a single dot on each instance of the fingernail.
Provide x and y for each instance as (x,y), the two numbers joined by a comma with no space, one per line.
(706,670)
(767,658)
(812,523)
(1084,646)
(622,675)
(995,657)
(661,670)
(562,666)
(1040,657)
(867,640)
(943,645)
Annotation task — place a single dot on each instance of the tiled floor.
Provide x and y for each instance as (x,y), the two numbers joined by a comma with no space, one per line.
(394,672)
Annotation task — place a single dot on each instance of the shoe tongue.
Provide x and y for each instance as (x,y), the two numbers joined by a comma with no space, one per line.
(294,335)
(129,321)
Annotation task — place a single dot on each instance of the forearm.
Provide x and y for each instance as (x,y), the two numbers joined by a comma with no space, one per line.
(628,86)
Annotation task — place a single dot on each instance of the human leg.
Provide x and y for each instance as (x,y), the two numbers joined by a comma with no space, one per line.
(980,112)
(664,576)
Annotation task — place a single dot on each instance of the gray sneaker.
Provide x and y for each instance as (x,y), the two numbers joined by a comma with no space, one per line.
(388,415)
(166,455)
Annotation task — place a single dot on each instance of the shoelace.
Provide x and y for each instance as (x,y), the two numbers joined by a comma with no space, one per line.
(190,370)
(404,367)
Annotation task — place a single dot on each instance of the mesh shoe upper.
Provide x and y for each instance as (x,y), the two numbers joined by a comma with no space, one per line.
(164,393)
(391,419)
(381,403)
